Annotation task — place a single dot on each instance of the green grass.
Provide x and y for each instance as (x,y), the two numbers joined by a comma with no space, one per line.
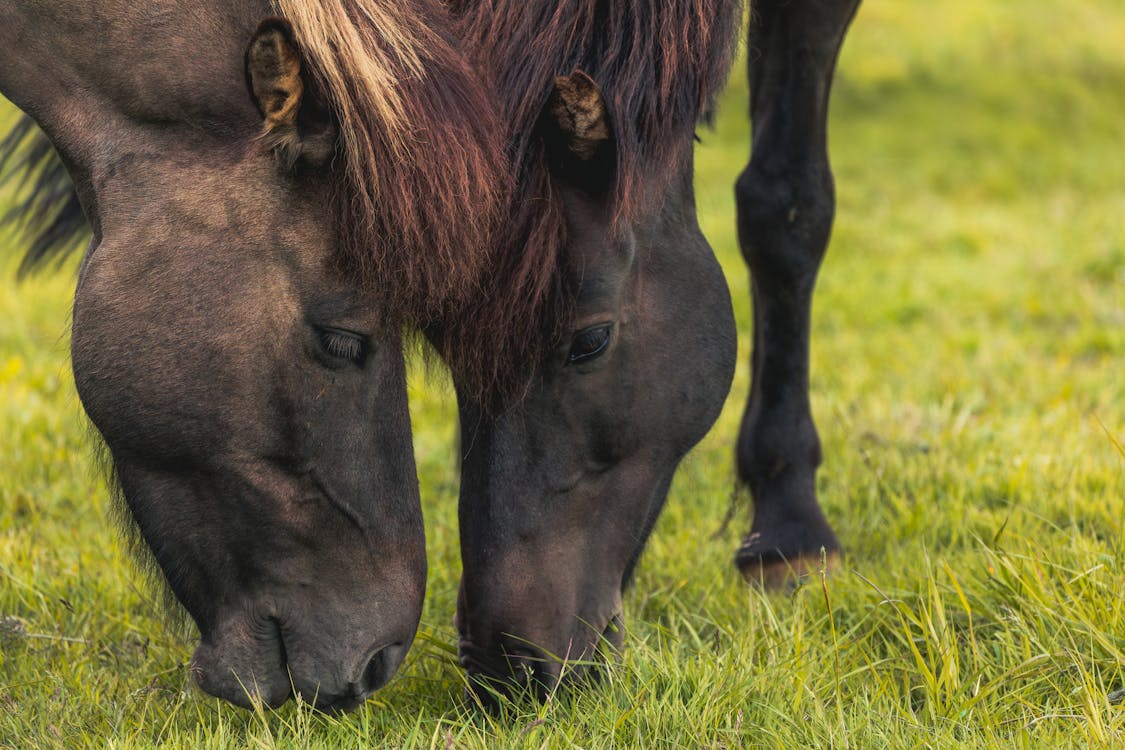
(969,344)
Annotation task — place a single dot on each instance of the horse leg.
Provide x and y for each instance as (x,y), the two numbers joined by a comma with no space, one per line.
(786,201)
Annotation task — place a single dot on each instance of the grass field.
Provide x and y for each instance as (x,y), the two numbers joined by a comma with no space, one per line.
(968,357)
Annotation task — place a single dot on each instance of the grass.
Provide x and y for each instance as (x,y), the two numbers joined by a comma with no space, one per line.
(968,351)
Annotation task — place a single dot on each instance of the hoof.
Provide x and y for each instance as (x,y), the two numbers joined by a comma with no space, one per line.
(774,571)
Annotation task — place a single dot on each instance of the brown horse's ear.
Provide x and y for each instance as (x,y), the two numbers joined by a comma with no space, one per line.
(295,125)
(578,133)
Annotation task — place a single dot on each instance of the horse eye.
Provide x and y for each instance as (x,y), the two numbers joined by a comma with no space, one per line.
(589,343)
(340,345)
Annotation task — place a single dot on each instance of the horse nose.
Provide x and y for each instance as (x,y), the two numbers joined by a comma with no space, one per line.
(533,668)
(511,671)
(381,666)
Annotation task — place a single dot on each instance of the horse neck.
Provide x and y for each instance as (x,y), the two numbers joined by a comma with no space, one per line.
(666,221)
(81,68)
(107,81)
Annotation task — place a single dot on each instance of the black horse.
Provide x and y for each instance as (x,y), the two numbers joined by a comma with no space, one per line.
(563,479)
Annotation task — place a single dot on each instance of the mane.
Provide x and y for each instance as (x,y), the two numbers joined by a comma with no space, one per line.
(46,215)
(421,154)
(660,64)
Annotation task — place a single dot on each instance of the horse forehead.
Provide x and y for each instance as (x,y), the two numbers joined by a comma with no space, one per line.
(228,228)
(158,188)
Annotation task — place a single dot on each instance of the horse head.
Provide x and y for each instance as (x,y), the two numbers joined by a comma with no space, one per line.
(562,481)
(272,202)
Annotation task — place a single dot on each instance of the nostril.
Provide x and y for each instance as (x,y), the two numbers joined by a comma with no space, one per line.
(380,668)
(531,668)
(523,659)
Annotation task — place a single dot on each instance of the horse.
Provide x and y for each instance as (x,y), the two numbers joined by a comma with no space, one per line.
(275,191)
(562,481)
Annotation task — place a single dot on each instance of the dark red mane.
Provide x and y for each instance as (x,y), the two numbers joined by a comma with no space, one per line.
(659,63)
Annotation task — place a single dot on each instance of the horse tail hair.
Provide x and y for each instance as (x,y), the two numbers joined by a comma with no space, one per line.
(46,217)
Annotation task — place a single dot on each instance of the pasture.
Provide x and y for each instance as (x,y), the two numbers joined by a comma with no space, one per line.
(968,350)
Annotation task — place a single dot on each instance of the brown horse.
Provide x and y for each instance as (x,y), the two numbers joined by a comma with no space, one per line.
(271,201)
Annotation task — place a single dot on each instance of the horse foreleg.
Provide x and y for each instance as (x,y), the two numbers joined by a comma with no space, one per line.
(786,202)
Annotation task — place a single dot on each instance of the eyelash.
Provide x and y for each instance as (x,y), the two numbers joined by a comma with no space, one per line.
(583,354)
(343,345)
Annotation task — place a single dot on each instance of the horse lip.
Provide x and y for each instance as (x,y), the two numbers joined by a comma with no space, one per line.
(283,654)
(210,676)
(342,705)
(470,656)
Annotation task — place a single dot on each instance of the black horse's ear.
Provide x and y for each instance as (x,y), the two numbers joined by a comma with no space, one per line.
(296,126)
(578,134)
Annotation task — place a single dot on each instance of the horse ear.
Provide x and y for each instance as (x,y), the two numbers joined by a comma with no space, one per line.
(578,133)
(294,124)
